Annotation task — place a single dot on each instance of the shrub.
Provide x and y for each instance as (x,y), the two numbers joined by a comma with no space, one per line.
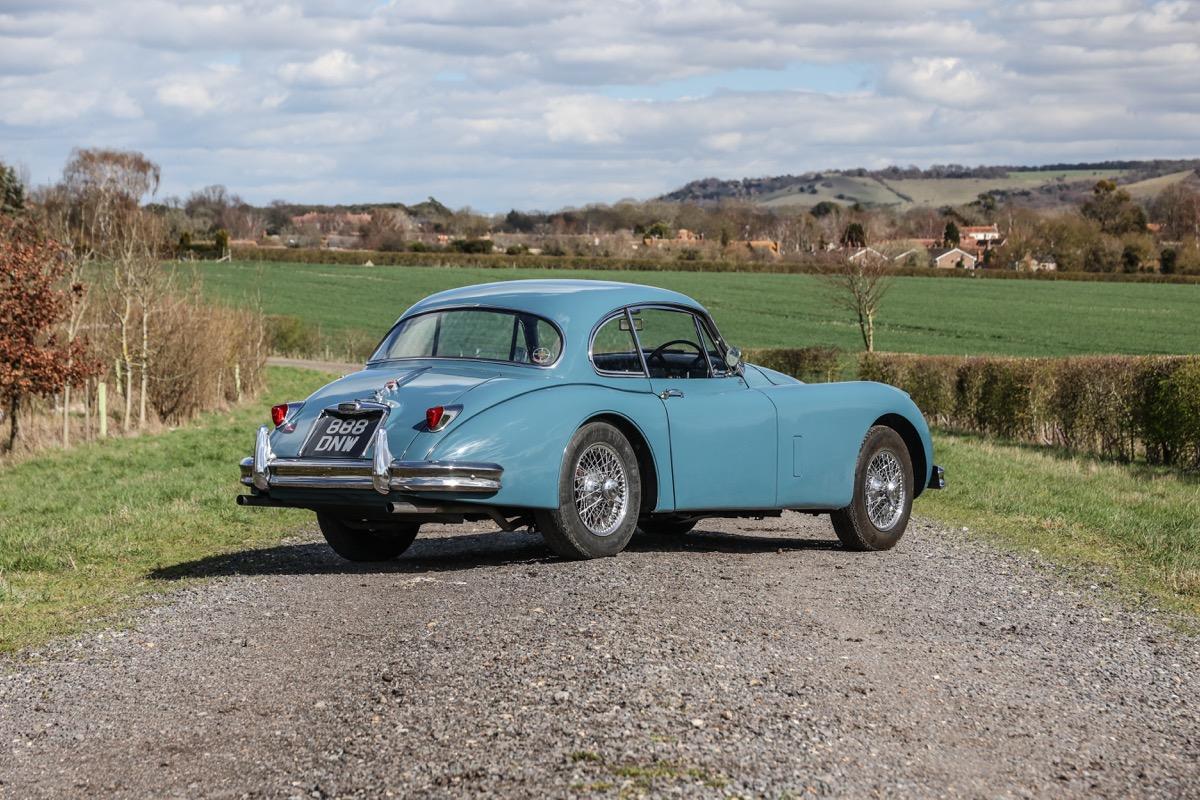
(1117,407)
(292,336)
(810,364)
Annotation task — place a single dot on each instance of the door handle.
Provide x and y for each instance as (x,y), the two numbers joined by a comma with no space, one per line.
(665,393)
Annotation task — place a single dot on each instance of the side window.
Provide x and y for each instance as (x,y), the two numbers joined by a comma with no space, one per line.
(614,350)
(669,342)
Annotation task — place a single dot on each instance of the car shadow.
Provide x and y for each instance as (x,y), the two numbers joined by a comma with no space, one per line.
(462,552)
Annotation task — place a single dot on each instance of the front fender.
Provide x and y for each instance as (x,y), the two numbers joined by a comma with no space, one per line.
(821,428)
(528,434)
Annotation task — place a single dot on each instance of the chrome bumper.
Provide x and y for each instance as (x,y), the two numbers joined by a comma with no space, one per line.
(264,471)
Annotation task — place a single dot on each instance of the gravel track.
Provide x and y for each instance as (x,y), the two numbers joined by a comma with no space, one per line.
(749,658)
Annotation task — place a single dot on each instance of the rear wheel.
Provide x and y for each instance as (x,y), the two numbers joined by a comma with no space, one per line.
(599,495)
(666,526)
(366,540)
(883,494)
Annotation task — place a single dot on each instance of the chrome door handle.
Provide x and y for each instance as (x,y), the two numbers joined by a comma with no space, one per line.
(665,393)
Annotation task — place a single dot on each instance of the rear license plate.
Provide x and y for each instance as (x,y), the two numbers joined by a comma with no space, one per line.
(341,437)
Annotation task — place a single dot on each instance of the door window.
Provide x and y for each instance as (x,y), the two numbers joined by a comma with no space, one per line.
(670,343)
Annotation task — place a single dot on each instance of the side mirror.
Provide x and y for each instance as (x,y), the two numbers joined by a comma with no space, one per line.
(733,361)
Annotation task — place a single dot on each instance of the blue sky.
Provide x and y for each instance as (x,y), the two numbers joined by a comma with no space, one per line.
(546,103)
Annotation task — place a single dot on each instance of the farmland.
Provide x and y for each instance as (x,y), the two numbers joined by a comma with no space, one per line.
(353,304)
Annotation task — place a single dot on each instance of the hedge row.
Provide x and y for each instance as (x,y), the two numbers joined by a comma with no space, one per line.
(809,364)
(1119,407)
(815,265)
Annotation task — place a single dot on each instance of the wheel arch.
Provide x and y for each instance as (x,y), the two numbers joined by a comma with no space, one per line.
(646,463)
(916,448)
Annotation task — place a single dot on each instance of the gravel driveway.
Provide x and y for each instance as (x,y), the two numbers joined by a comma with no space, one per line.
(749,658)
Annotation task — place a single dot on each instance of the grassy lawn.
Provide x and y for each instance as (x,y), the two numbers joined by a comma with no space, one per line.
(920,315)
(1139,525)
(79,531)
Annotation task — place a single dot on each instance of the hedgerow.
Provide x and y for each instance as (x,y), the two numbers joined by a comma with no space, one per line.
(1116,407)
(813,265)
(810,364)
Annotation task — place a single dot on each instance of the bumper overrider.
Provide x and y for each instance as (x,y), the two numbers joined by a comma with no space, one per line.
(265,471)
(937,478)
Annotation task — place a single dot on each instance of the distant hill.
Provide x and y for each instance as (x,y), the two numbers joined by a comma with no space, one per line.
(949,185)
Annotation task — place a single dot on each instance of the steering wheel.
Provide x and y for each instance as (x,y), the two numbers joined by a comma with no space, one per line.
(697,362)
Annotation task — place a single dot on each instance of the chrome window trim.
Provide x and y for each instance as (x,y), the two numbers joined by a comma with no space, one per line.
(702,318)
(622,311)
(472,307)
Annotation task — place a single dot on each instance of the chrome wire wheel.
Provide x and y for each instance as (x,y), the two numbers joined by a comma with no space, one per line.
(884,490)
(601,489)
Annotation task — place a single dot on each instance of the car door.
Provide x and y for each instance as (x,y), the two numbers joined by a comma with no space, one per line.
(723,433)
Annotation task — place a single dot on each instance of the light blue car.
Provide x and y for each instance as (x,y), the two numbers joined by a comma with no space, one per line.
(586,410)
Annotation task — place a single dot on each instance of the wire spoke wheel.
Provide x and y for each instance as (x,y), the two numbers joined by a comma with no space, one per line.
(601,489)
(884,490)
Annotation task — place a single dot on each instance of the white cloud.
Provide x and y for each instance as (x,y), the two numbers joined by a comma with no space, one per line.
(543,102)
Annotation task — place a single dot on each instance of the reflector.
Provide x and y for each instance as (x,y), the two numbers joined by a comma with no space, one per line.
(433,416)
(279,414)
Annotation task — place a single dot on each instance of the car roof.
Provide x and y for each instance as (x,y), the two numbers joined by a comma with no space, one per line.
(570,303)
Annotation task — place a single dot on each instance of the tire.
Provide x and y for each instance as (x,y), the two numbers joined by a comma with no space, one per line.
(856,525)
(666,526)
(367,540)
(611,511)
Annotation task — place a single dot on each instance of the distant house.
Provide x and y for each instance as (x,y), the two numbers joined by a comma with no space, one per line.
(913,257)
(980,233)
(1035,263)
(767,248)
(867,253)
(952,258)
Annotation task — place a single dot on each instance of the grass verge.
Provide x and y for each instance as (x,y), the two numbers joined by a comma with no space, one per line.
(1138,525)
(80,530)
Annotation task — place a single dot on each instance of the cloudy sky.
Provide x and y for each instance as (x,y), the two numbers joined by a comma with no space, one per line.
(543,103)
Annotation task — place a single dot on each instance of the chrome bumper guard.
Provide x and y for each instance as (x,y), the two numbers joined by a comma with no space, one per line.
(264,471)
(937,478)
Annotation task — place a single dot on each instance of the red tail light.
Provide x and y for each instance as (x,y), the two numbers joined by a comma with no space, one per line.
(433,416)
(279,414)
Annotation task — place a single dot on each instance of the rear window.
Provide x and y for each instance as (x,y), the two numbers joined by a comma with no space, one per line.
(488,334)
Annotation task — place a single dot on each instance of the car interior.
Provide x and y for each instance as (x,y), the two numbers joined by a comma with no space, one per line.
(674,344)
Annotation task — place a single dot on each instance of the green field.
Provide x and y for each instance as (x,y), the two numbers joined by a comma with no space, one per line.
(81,531)
(920,315)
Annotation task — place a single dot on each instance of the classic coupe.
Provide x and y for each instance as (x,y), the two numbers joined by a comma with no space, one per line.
(585,410)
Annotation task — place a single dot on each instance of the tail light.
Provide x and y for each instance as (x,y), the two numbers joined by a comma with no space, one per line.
(438,417)
(283,412)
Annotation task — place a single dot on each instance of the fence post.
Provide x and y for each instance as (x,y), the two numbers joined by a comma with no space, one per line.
(237,381)
(102,407)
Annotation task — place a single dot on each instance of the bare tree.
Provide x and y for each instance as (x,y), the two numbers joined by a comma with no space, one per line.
(859,286)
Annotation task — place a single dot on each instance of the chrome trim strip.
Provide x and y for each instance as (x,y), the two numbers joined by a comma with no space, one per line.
(383,475)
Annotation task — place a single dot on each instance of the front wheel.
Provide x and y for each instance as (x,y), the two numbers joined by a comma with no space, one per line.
(599,496)
(366,540)
(883,494)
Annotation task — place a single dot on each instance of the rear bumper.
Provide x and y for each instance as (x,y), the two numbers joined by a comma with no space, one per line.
(937,478)
(264,471)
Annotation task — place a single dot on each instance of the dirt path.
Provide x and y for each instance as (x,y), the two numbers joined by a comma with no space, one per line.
(749,658)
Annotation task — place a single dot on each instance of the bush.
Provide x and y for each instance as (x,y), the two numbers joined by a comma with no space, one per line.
(810,364)
(1117,407)
(292,336)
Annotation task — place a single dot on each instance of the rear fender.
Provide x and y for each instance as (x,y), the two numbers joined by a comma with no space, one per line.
(528,435)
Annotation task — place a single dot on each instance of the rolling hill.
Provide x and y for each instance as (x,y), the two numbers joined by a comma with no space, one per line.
(903,188)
